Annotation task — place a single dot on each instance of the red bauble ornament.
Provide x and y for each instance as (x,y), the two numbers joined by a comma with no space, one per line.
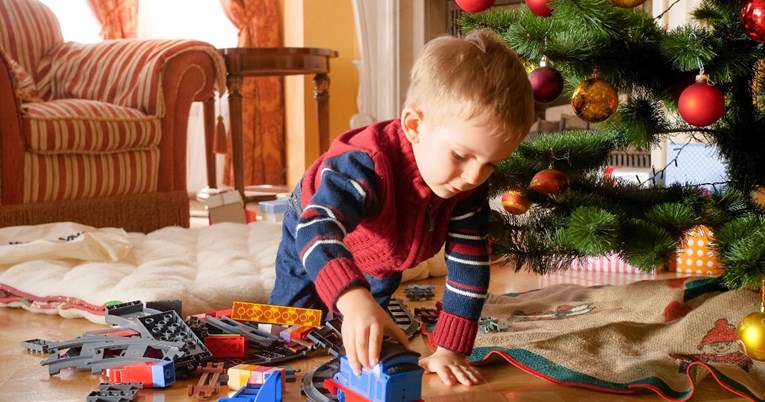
(475,6)
(702,103)
(539,7)
(550,181)
(753,18)
(547,84)
(514,202)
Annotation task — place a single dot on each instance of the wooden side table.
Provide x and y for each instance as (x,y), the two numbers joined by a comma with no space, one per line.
(266,62)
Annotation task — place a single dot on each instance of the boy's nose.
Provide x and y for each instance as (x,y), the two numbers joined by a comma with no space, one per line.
(471,174)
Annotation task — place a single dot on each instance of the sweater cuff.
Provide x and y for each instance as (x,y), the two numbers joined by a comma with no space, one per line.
(455,333)
(337,276)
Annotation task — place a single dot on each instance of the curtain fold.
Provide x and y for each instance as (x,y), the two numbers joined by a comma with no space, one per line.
(118,18)
(262,98)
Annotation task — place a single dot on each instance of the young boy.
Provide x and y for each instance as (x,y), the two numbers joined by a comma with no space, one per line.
(386,197)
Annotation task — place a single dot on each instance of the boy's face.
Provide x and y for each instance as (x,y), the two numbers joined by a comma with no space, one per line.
(455,155)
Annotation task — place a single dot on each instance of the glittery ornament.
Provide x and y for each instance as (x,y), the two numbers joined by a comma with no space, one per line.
(753,19)
(594,100)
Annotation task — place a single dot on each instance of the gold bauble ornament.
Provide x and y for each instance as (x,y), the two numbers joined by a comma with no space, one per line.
(626,3)
(750,332)
(750,335)
(594,100)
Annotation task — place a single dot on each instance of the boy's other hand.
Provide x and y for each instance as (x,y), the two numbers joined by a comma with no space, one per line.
(364,324)
(451,367)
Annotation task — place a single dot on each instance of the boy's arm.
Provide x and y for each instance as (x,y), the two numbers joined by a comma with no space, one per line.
(467,280)
(344,195)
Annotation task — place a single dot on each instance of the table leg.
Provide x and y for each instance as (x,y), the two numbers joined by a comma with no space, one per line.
(234,84)
(321,96)
(209,122)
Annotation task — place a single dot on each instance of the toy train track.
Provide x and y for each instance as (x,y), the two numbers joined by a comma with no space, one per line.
(313,382)
(403,317)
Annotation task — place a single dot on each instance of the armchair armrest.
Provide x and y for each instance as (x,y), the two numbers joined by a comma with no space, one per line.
(128,73)
(11,142)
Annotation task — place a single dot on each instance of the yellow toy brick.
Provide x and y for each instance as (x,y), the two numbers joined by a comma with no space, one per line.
(282,315)
(242,374)
(239,375)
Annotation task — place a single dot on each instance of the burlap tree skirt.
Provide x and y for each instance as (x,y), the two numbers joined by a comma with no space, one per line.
(660,335)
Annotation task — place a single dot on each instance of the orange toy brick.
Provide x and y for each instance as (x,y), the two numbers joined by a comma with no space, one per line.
(276,314)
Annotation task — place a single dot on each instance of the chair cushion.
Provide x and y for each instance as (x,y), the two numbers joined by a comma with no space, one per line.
(85,126)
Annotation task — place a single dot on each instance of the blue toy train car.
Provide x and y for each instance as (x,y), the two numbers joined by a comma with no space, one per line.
(396,378)
(269,391)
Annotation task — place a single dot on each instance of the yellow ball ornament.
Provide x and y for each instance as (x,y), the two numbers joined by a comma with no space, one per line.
(626,3)
(594,100)
(750,335)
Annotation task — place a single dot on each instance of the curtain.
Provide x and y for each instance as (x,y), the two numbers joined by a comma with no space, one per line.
(257,22)
(118,18)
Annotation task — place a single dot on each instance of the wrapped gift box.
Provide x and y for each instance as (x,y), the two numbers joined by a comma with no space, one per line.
(696,254)
(611,263)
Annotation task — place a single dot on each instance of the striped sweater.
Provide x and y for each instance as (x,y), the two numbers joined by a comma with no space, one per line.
(367,209)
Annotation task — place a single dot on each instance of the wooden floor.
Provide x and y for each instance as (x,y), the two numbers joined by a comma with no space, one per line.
(23,379)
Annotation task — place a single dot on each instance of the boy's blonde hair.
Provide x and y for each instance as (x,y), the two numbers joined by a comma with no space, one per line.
(477,76)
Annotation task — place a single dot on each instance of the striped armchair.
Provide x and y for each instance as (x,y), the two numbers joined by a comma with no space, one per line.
(95,133)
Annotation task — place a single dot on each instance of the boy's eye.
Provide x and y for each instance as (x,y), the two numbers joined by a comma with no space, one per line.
(458,156)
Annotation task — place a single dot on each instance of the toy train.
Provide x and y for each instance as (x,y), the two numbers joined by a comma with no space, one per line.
(396,378)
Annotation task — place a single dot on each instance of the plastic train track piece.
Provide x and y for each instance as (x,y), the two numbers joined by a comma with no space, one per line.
(328,337)
(101,352)
(254,335)
(403,317)
(313,382)
(272,314)
(36,345)
(114,392)
(491,324)
(419,292)
(427,315)
(209,381)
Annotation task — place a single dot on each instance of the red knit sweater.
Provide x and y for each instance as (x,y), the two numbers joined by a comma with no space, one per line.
(367,209)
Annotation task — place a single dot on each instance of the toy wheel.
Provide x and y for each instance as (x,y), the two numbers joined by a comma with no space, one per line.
(340,395)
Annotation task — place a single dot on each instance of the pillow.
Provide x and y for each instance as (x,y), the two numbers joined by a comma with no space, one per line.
(26,89)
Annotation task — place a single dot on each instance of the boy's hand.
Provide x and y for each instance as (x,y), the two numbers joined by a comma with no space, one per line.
(364,324)
(451,367)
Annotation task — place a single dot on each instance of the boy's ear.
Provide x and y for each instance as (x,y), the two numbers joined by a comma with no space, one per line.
(410,123)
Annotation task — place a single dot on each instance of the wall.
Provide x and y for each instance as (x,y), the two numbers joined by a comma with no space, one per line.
(325,24)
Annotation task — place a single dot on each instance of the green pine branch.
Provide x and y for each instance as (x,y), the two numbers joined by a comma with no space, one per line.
(641,222)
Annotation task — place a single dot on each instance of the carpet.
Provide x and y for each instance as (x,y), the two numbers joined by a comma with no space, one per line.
(657,335)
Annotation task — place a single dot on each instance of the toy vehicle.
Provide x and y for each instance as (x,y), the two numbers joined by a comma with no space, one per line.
(268,391)
(152,374)
(396,378)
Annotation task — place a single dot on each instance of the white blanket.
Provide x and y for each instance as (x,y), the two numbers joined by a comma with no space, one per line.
(207,268)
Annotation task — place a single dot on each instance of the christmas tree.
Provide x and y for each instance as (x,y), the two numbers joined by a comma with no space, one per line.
(703,79)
